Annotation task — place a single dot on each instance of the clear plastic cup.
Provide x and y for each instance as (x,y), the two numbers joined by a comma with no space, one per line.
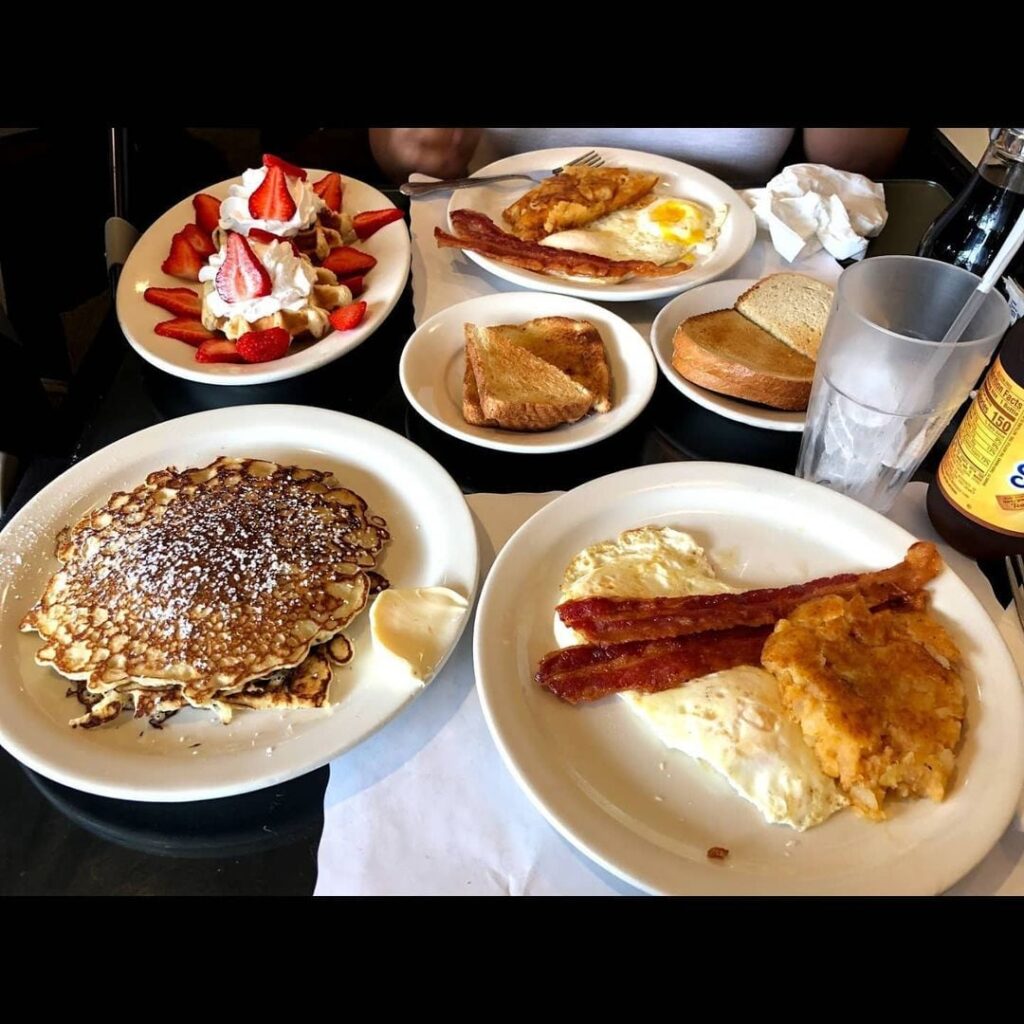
(884,388)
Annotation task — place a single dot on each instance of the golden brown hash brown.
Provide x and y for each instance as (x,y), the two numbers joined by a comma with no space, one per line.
(574,198)
(877,695)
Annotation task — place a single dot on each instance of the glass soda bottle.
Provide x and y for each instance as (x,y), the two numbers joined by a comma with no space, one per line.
(970,231)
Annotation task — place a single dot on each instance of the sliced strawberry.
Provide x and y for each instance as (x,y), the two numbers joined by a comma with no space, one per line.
(183,260)
(266,237)
(272,200)
(356,285)
(370,222)
(179,301)
(207,212)
(269,160)
(199,240)
(241,275)
(218,350)
(264,346)
(192,332)
(346,261)
(329,190)
(346,317)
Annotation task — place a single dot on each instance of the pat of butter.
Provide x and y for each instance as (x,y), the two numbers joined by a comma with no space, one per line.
(417,626)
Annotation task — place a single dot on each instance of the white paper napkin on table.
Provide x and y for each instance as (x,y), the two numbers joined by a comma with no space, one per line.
(443,277)
(808,207)
(426,806)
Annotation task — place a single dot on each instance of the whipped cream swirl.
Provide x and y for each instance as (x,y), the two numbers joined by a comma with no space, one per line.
(291,277)
(235,215)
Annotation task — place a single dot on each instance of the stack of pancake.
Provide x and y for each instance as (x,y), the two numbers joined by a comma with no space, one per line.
(219,587)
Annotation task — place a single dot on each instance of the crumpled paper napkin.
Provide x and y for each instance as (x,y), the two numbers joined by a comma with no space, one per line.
(808,207)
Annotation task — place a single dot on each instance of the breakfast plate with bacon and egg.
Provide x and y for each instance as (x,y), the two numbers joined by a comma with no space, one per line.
(728,680)
(265,276)
(637,227)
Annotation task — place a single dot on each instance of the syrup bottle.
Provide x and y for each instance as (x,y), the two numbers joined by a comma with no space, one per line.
(970,231)
(976,501)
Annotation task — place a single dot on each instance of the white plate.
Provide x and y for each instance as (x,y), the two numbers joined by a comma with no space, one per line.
(706,299)
(677,179)
(594,770)
(434,360)
(432,543)
(384,284)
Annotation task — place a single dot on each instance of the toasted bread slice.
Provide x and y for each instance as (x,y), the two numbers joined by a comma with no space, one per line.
(518,390)
(574,346)
(725,352)
(574,198)
(791,307)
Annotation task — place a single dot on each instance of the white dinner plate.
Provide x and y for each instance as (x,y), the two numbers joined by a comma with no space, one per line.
(677,179)
(706,299)
(650,814)
(194,757)
(434,360)
(384,284)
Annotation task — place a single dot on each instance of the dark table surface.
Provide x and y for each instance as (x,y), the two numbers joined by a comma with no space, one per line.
(57,840)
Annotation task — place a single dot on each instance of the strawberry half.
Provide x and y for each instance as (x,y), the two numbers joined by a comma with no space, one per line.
(264,346)
(180,301)
(266,237)
(329,190)
(218,350)
(183,260)
(241,275)
(192,332)
(207,212)
(356,285)
(370,222)
(346,317)
(269,160)
(272,200)
(346,261)
(199,240)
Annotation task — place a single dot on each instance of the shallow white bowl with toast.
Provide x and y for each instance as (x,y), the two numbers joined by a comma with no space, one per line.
(713,296)
(433,366)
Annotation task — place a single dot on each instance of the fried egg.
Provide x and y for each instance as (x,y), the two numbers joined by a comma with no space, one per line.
(733,721)
(668,230)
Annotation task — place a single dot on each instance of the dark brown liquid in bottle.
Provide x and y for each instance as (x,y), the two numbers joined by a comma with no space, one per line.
(961,532)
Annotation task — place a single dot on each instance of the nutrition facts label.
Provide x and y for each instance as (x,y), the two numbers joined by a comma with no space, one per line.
(983,470)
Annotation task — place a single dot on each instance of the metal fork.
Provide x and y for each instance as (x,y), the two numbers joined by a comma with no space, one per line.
(1015,574)
(424,188)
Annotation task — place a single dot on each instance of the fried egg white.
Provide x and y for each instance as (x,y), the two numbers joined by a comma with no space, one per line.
(734,721)
(667,230)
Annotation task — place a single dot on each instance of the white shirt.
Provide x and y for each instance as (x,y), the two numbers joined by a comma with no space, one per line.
(740,156)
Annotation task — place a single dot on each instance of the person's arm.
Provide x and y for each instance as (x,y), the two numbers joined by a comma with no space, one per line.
(441,152)
(870,151)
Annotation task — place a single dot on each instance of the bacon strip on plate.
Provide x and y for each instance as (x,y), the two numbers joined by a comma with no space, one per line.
(587,673)
(479,233)
(606,620)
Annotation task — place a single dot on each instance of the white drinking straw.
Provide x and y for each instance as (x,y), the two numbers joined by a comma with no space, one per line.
(1006,253)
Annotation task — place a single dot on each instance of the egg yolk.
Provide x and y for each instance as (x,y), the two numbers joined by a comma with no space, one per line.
(678,221)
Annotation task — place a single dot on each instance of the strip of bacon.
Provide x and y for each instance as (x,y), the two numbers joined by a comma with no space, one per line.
(586,673)
(480,234)
(607,620)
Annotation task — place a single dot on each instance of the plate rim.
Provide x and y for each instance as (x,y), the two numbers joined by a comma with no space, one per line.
(657,475)
(497,444)
(256,373)
(609,293)
(703,397)
(28,757)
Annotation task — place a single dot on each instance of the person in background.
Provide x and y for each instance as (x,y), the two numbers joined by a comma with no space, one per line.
(741,156)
